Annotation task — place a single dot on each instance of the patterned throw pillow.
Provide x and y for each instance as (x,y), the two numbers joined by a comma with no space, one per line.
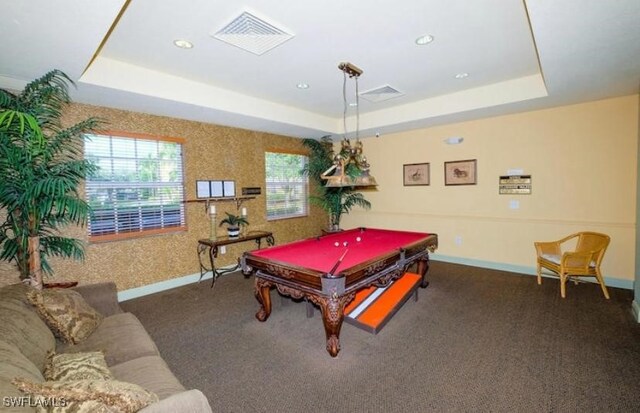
(87,396)
(66,313)
(76,366)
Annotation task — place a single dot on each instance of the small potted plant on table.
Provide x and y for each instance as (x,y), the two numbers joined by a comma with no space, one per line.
(234,222)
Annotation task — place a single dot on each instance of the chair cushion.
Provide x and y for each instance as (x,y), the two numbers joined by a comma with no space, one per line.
(89,395)
(121,337)
(557,258)
(77,366)
(150,372)
(67,314)
(551,257)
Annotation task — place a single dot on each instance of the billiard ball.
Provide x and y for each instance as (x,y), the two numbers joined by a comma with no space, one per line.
(358,239)
(345,243)
(337,244)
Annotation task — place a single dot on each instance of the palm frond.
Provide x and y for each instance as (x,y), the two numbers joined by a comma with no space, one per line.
(353,199)
(320,158)
(45,98)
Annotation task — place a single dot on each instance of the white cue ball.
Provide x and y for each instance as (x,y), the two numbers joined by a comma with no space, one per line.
(345,243)
(358,239)
(337,244)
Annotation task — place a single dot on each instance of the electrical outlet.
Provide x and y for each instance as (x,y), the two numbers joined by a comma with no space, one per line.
(457,240)
(223,249)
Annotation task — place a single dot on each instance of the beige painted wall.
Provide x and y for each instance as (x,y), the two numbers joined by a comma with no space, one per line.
(210,152)
(582,159)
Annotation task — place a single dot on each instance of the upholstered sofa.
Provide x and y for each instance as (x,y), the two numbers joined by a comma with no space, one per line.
(26,342)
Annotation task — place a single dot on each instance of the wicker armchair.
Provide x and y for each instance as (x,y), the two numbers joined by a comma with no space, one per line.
(583,261)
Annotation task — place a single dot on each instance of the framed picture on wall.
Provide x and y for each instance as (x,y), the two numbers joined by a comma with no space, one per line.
(229,188)
(216,189)
(460,172)
(203,189)
(415,174)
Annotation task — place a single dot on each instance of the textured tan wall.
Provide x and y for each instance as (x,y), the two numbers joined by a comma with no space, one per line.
(210,152)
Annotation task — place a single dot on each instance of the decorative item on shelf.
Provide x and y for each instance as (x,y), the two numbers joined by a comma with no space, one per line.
(61,284)
(212,223)
(243,214)
(350,167)
(234,222)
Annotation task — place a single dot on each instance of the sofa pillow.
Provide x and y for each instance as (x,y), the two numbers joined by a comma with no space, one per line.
(21,325)
(77,366)
(66,313)
(88,395)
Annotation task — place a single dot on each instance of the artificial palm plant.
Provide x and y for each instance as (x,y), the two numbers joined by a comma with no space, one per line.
(42,167)
(336,201)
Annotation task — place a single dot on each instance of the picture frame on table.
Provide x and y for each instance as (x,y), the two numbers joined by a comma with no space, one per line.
(416,174)
(464,172)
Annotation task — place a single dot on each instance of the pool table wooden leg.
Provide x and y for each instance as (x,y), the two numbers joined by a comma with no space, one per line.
(263,295)
(423,267)
(332,317)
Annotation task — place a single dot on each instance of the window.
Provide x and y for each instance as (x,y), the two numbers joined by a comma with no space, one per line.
(138,189)
(286,185)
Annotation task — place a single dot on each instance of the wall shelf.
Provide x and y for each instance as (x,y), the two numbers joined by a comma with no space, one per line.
(237,199)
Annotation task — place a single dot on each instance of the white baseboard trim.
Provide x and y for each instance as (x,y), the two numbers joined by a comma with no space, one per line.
(137,292)
(132,293)
(636,309)
(519,269)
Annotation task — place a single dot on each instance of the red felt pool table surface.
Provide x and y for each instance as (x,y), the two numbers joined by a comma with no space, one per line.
(321,253)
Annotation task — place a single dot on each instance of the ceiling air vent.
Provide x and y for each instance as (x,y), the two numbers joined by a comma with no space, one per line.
(252,34)
(381,94)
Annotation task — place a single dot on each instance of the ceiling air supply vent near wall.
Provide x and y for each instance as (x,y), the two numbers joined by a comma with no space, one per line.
(252,34)
(381,94)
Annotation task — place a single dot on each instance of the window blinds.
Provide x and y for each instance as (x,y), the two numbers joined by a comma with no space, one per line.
(138,189)
(286,186)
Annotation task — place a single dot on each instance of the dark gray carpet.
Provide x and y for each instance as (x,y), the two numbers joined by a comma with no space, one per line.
(477,340)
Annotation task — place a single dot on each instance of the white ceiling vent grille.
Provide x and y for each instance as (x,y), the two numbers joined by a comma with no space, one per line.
(381,94)
(252,34)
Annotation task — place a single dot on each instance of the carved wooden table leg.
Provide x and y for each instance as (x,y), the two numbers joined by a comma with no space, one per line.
(263,295)
(423,267)
(332,317)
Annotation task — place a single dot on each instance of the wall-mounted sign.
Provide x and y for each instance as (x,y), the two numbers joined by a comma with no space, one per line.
(251,190)
(515,185)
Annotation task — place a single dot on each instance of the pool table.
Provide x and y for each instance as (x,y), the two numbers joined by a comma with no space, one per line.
(329,269)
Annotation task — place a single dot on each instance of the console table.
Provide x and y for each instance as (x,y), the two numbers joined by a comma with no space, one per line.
(211,246)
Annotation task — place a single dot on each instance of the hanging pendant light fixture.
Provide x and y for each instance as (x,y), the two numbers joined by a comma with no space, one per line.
(350,166)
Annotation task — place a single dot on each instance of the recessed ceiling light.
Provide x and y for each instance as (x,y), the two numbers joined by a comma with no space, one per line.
(183,44)
(425,39)
(462,75)
(302,85)
(353,105)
